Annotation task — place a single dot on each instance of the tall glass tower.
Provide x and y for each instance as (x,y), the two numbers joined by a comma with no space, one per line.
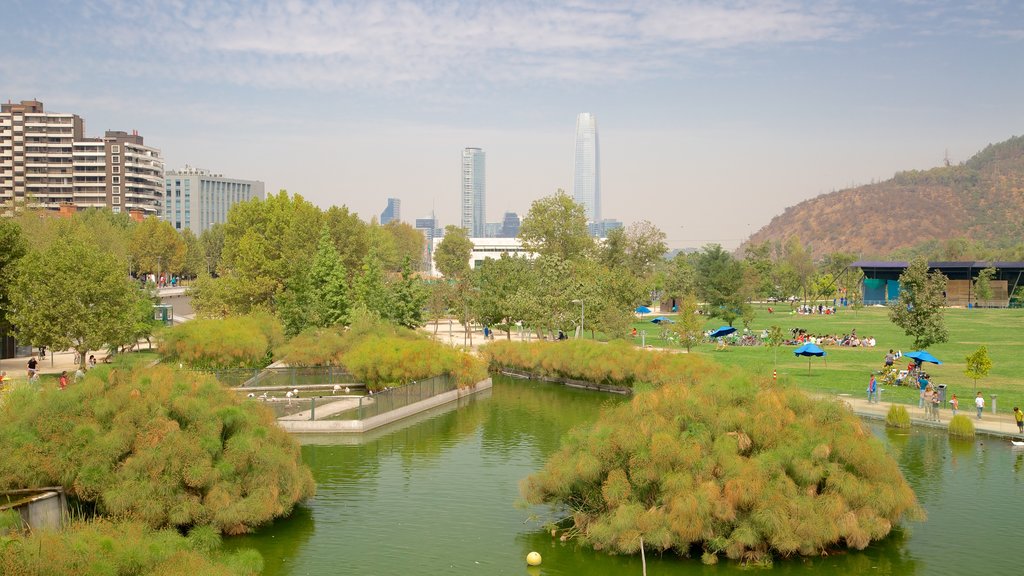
(473,192)
(586,172)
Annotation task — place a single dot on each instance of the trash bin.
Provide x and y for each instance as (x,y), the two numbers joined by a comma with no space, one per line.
(942,395)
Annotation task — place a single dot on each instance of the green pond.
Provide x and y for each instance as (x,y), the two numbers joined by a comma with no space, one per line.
(437,494)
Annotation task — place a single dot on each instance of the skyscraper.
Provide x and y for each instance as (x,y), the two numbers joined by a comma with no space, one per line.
(473,192)
(393,212)
(586,172)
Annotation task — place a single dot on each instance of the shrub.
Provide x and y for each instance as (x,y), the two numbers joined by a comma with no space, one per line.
(158,446)
(898,417)
(101,547)
(726,466)
(960,426)
(383,357)
(217,344)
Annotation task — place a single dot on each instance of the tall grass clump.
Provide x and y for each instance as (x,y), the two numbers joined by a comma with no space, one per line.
(382,356)
(223,343)
(617,363)
(100,547)
(960,426)
(726,467)
(158,446)
(897,417)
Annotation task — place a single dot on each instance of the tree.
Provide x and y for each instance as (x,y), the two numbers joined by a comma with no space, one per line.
(798,266)
(452,254)
(918,310)
(12,248)
(408,243)
(370,289)
(775,339)
(328,282)
(556,226)
(645,247)
(720,283)
(73,296)
(350,235)
(195,257)
(496,282)
(978,365)
(983,285)
(409,297)
(689,324)
(156,247)
(758,262)
(212,241)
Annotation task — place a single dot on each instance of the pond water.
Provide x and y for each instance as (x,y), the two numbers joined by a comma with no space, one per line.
(438,495)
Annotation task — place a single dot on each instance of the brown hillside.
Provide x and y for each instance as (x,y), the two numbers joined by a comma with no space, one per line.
(981,199)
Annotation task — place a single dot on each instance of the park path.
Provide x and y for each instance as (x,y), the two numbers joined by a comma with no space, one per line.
(1001,424)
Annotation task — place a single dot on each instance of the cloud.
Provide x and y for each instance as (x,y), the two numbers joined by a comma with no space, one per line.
(373,44)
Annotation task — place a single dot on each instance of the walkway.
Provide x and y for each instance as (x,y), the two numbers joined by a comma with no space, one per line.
(1001,425)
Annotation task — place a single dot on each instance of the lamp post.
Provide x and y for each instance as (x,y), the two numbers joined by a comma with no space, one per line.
(580,302)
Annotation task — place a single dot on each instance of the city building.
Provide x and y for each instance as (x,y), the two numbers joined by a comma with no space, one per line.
(432,233)
(47,162)
(393,212)
(485,248)
(474,191)
(602,228)
(196,199)
(510,225)
(586,170)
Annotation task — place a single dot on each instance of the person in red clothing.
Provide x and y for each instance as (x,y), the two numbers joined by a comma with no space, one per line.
(63,379)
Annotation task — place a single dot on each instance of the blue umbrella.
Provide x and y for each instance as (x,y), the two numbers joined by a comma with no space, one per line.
(723,331)
(922,356)
(643,310)
(809,350)
(662,320)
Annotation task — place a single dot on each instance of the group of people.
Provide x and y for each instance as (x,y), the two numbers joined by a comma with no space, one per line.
(33,371)
(161,281)
(801,336)
(819,309)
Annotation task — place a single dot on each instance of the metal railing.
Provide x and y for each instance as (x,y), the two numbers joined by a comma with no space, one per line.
(398,397)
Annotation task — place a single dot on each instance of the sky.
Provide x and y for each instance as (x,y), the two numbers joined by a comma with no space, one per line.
(713,116)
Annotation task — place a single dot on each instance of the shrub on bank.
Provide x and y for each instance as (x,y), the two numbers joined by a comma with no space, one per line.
(383,355)
(617,363)
(159,446)
(726,467)
(223,343)
(101,547)
(960,426)
(897,417)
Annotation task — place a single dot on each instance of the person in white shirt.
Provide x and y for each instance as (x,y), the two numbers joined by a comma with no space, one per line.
(979,403)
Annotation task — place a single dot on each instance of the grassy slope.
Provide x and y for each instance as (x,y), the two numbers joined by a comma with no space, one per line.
(848,368)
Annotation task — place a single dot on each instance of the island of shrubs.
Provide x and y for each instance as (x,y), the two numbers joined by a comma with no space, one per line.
(715,463)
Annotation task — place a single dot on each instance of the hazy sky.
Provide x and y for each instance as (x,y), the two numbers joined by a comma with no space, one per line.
(713,116)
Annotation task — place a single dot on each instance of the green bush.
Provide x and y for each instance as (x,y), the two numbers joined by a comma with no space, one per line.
(157,445)
(101,547)
(383,357)
(726,466)
(217,344)
(960,426)
(898,417)
(617,363)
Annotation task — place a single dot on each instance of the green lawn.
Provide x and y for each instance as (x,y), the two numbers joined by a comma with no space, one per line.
(847,369)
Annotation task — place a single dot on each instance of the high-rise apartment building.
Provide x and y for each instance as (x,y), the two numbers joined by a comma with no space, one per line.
(510,225)
(196,199)
(474,191)
(586,172)
(393,212)
(47,162)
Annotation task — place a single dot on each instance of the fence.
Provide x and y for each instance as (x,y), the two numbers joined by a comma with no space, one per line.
(361,407)
(282,376)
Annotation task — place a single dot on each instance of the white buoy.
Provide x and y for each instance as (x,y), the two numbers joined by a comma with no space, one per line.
(533,559)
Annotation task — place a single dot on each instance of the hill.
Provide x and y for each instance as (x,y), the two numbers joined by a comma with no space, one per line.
(981,199)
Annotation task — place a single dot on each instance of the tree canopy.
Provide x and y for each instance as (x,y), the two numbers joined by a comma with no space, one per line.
(556,226)
(919,307)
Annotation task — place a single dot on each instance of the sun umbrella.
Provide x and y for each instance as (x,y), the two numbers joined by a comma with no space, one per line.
(723,331)
(643,310)
(662,320)
(809,350)
(922,356)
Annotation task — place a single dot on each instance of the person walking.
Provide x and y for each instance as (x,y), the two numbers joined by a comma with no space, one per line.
(954,403)
(1019,417)
(872,390)
(935,405)
(32,363)
(63,380)
(979,403)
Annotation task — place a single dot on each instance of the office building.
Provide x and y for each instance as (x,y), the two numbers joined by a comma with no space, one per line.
(474,191)
(393,212)
(196,199)
(47,162)
(510,225)
(586,171)
(602,228)
(432,233)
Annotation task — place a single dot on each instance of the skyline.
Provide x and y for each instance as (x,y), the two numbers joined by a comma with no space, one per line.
(715,116)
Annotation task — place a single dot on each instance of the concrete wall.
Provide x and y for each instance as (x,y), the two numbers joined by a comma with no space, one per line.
(358,426)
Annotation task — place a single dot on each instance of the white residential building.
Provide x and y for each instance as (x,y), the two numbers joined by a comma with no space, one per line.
(196,199)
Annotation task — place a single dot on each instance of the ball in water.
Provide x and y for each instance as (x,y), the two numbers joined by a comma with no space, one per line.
(533,559)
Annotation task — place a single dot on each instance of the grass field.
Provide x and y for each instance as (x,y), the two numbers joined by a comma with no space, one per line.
(846,370)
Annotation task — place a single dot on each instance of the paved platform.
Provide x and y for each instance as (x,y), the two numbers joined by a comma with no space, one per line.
(1001,425)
